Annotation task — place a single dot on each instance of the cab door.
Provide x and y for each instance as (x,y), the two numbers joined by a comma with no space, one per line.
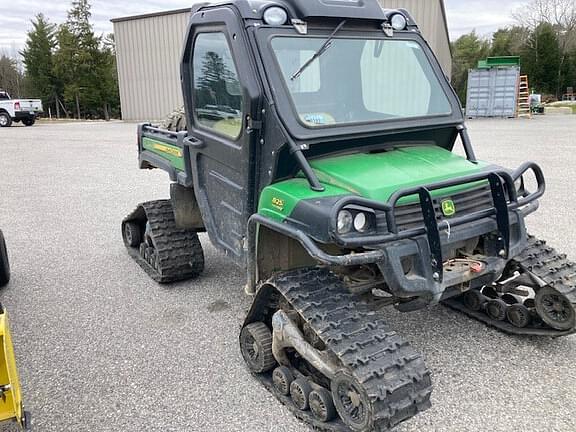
(222,88)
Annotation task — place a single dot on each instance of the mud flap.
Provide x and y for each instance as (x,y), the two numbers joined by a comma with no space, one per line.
(11,408)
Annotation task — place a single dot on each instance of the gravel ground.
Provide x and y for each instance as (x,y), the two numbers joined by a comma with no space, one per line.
(101,347)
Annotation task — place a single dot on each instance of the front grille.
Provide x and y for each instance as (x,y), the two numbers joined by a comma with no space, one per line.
(409,216)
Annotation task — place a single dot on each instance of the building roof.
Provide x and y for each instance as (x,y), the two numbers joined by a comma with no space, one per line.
(151,15)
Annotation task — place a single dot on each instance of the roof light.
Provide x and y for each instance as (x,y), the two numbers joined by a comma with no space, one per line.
(275,16)
(398,22)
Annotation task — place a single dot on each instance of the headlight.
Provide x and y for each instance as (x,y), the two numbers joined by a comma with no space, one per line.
(275,16)
(345,222)
(361,222)
(398,21)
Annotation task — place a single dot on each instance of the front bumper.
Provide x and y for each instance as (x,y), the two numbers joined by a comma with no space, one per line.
(502,227)
(422,280)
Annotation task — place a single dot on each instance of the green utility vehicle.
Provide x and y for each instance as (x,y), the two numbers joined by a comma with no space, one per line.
(319,155)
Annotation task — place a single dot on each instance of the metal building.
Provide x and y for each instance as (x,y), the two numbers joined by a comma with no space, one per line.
(148,49)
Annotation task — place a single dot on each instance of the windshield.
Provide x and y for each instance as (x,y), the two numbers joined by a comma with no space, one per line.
(359,80)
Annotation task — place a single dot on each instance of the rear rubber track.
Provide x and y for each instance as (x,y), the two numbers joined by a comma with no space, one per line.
(393,374)
(179,251)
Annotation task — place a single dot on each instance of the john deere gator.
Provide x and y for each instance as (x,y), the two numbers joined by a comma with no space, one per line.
(323,150)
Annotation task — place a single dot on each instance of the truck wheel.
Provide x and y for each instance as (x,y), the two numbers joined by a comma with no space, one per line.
(5,120)
(4,263)
(29,121)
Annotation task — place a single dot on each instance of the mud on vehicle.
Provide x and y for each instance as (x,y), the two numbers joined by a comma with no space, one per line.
(319,155)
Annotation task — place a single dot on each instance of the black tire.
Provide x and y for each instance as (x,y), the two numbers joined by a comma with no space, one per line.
(282,377)
(256,347)
(518,315)
(356,412)
(496,309)
(300,390)
(322,405)
(474,300)
(4,263)
(5,119)
(176,121)
(555,309)
(29,121)
(132,234)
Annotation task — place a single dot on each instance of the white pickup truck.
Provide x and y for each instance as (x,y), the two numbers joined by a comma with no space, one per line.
(16,110)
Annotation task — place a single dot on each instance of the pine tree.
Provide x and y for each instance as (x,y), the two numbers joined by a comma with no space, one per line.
(467,50)
(38,59)
(541,59)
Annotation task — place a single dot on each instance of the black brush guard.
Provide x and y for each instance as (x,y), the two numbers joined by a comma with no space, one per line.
(504,197)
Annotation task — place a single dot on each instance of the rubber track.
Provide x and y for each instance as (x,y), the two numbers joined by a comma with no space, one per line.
(547,264)
(553,268)
(179,251)
(392,372)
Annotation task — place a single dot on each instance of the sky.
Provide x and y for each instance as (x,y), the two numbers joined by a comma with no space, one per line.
(485,16)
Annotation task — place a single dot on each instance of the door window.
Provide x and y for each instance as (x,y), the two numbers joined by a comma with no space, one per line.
(217,90)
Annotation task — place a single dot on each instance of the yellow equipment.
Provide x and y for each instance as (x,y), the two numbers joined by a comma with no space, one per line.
(11,408)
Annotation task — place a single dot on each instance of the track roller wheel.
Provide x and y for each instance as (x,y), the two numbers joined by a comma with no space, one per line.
(474,300)
(132,234)
(300,391)
(496,309)
(555,309)
(518,315)
(256,347)
(352,402)
(321,405)
(282,377)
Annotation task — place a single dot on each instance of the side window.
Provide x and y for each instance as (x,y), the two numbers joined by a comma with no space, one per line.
(217,91)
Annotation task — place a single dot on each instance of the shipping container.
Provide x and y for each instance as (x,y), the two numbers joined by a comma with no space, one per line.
(492,92)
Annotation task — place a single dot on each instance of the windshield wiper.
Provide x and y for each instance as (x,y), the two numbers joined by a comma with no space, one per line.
(327,44)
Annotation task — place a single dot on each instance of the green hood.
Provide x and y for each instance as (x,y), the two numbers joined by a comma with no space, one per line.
(377,176)
(374,176)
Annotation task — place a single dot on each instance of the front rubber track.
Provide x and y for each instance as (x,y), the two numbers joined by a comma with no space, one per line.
(393,374)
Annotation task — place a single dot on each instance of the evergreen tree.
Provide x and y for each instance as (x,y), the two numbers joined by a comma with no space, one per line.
(466,52)
(38,59)
(509,41)
(541,59)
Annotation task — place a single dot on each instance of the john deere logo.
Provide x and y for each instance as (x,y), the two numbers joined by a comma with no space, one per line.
(448,208)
